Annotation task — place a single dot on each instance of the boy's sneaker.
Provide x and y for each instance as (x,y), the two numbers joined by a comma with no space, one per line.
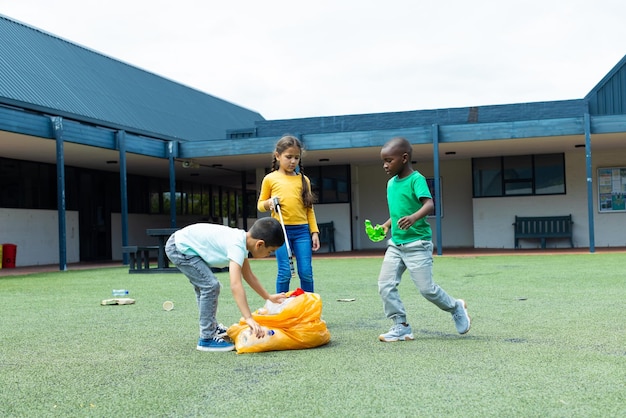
(220,331)
(214,344)
(461,318)
(398,332)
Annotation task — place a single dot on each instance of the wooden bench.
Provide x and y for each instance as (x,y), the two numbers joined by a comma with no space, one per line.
(543,227)
(327,235)
(139,257)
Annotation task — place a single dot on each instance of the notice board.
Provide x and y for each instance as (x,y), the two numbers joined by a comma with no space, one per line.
(611,189)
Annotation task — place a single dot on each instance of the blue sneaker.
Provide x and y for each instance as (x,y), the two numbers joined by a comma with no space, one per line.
(214,344)
(461,318)
(398,332)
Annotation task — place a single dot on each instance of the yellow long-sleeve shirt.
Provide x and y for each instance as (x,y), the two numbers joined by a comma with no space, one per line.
(288,189)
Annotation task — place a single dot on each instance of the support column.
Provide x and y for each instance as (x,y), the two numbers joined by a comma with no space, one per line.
(120,136)
(435,137)
(57,129)
(171,152)
(590,197)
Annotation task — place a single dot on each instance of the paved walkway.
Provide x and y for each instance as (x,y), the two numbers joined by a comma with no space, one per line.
(453,252)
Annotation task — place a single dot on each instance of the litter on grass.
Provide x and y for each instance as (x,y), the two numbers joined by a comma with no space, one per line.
(118,301)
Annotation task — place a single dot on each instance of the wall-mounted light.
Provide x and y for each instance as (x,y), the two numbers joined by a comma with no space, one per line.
(111,162)
(451,153)
(190,164)
(579,146)
(324,160)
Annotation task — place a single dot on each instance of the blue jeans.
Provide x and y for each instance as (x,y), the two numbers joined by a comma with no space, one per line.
(417,257)
(204,282)
(299,237)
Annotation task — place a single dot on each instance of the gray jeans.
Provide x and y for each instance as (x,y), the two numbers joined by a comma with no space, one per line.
(417,257)
(204,282)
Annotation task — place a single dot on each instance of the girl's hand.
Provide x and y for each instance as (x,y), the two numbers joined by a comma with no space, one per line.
(269,203)
(315,241)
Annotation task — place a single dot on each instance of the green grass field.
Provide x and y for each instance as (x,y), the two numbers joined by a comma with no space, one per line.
(548,339)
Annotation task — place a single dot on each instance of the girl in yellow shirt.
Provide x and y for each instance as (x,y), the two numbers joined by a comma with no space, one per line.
(288,183)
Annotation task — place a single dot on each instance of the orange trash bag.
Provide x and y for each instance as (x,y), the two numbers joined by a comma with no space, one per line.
(292,325)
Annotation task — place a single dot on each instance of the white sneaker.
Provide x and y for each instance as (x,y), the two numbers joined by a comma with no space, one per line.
(461,318)
(398,332)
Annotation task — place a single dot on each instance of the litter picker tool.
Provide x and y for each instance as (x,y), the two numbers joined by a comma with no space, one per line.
(282,223)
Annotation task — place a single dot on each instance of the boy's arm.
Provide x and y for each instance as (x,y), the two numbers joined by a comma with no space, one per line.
(253,281)
(239,294)
(427,208)
(255,284)
(236,287)
(387,226)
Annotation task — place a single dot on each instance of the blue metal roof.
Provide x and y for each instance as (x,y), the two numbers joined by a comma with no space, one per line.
(44,73)
(408,119)
(608,97)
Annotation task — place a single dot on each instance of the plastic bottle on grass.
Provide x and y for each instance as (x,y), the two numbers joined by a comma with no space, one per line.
(120,292)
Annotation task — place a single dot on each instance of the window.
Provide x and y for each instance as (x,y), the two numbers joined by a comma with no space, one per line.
(520,175)
(241,133)
(486,177)
(330,184)
(27,185)
(549,174)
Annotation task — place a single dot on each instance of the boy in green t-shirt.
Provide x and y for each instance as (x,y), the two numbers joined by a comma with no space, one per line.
(410,247)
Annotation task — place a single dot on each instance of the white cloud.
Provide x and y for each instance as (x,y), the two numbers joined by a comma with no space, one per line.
(289,59)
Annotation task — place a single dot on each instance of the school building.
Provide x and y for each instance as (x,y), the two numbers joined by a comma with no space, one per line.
(94,151)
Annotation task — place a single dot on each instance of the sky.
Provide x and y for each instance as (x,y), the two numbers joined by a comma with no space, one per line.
(294,59)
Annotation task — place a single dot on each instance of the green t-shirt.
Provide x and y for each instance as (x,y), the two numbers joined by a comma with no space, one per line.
(403,198)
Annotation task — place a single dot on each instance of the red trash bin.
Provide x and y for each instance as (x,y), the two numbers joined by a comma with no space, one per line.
(9,251)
